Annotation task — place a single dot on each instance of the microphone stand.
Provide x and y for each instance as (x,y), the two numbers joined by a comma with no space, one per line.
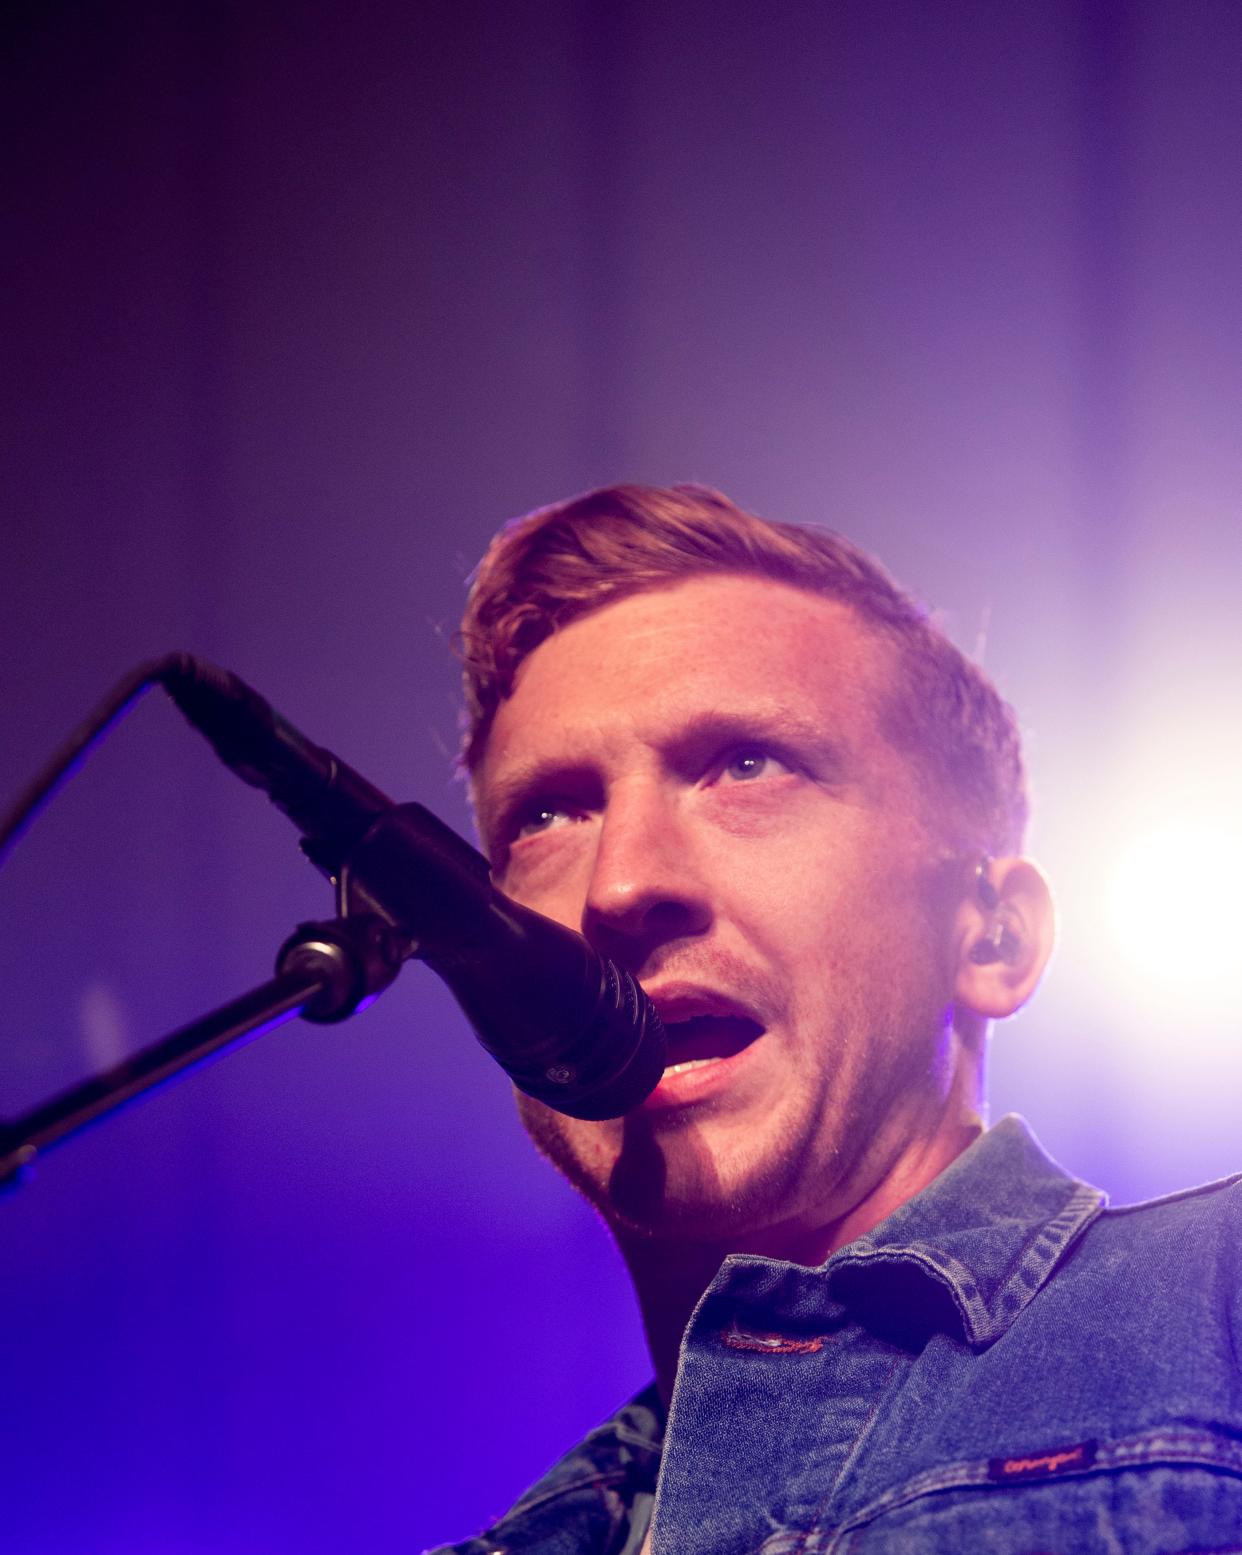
(325,971)
(569,1027)
(409,886)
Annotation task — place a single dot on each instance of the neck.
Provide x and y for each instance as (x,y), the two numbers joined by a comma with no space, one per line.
(670,1276)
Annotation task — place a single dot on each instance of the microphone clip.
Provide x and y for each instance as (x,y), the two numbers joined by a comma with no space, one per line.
(355,957)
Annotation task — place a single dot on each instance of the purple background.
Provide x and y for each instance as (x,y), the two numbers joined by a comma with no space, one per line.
(304,301)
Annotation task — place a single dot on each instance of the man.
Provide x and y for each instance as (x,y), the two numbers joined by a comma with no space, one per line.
(747,767)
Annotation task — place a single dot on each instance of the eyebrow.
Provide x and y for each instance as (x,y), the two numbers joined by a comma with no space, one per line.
(767,722)
(527,779)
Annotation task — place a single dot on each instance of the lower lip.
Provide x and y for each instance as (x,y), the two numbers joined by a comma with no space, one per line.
(682,1087)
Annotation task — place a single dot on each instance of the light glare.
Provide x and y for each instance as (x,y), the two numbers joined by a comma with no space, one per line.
(1174,910)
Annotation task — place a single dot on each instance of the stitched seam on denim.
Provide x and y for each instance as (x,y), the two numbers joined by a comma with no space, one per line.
(850,1457)
(582,1481)
(1082,1198)
(1174,1447)
(982,1324)
(632,1439)
(1200,1191)
(1062,1229)
(683,1355)
(836,1541)
(941,1266)
(1159,1449)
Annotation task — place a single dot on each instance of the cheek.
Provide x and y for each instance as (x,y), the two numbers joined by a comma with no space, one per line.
(770,808)
(848,950)
(800,899)
(549,874)
(585,1152)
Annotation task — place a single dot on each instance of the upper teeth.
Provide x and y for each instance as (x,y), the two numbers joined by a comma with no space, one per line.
(690,1063)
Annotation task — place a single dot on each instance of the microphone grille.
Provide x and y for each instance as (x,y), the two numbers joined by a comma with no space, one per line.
(628,1041)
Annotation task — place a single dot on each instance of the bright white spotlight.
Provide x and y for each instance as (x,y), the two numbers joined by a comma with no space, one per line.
(1175,907)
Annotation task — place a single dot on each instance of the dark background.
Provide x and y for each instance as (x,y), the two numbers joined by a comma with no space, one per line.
(301,302)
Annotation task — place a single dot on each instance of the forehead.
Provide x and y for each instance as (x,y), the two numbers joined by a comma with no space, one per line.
(639,668)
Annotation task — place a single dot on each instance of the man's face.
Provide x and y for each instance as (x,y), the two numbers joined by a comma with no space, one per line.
(697,778)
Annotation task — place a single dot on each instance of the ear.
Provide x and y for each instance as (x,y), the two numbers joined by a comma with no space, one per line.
(1005,930)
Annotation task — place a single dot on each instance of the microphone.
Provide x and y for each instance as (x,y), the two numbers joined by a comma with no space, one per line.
(571,1028)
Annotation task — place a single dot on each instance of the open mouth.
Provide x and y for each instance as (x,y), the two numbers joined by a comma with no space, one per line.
(706,1039)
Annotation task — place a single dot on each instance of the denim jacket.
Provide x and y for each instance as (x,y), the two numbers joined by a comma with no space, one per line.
(1004,1364)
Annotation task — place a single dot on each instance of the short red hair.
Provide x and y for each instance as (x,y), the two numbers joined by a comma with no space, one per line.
(558,563)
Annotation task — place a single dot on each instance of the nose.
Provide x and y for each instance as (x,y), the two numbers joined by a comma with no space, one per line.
(647,885)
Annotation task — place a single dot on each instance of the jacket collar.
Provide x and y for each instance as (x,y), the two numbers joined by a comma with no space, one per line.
(977,1244)
(968,1252)
(989,1230)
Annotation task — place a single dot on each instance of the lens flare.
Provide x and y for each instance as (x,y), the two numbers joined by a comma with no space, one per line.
(1174,908)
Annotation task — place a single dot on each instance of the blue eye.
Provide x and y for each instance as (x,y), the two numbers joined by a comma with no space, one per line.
(749,764)
(538,820)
